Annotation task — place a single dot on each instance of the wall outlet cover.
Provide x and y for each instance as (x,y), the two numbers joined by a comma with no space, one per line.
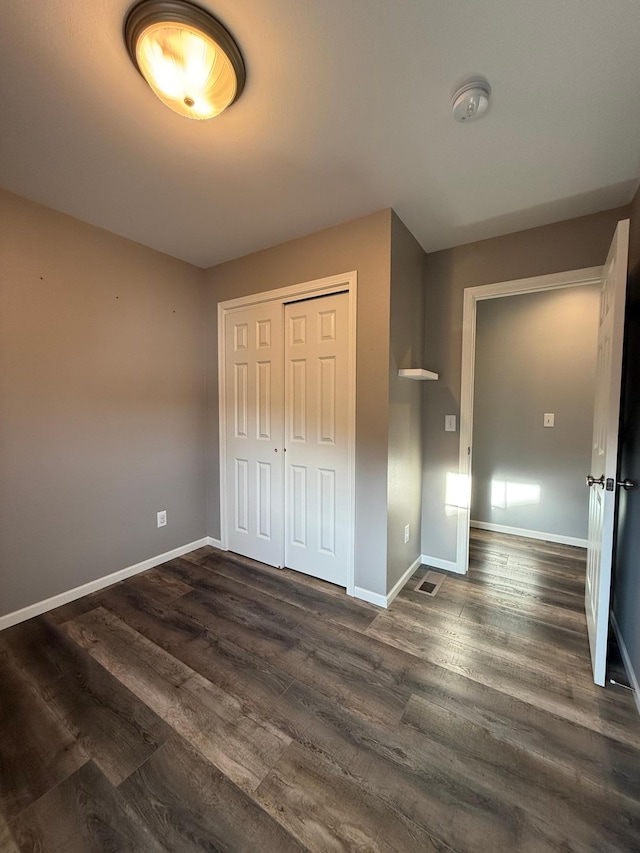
(406,533)
(549,419)
(162,518)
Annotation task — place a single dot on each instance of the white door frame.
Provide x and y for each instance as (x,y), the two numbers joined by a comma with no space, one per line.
(307,290)
(472,295)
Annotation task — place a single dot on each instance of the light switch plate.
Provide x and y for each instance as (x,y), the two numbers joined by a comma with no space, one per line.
(549,419)
(449,423)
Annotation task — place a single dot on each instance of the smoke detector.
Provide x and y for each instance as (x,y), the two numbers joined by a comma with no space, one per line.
(471,100)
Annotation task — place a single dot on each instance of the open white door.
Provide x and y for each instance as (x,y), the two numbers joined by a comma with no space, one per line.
(604,459)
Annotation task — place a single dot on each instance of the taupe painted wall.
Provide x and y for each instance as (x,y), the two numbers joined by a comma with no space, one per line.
(574,244)
(405,402)
(102,402)
(535,353)
(363,245)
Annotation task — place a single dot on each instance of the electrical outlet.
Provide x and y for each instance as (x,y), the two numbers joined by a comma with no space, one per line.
(406,533)
(162,518)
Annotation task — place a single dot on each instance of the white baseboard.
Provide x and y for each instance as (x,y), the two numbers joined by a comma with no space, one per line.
(100,583)
(371,597)
(438,563)
(215,543)
(405,577)
(631,675)
(529,534)
(385,600)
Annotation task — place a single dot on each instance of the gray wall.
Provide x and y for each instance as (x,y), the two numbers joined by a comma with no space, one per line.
(626,579)
(363,245)
(577,243)
(535,353)
(405,402)
(102,402)
(104,346)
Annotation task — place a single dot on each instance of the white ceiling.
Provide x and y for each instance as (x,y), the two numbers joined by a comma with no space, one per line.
(346,111)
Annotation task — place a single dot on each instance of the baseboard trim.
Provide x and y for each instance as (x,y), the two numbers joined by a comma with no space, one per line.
(631,675)
(100,583)
(529,534)
(371,597)
(385,600)
(215,543)
(438,563)
(395,589)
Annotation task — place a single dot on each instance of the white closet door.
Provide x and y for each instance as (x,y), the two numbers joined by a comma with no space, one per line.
(316,437)
(254,427)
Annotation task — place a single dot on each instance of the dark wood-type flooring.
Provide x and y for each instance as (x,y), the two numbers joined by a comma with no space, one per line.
(215,704)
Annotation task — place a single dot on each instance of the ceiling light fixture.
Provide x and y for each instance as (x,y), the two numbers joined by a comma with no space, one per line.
(186,56)
(471,100)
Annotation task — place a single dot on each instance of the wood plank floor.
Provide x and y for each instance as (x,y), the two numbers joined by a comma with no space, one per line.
(215,704)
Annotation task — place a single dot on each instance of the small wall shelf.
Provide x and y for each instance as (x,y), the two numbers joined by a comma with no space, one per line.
(417,373)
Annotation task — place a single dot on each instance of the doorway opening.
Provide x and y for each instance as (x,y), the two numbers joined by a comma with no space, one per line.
(502,491)
(603,477)
(535,377)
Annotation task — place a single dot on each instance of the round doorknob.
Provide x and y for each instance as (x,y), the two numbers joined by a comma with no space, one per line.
(626,485)
(595,481)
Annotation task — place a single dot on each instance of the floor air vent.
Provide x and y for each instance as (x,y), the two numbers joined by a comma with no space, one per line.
(430,583)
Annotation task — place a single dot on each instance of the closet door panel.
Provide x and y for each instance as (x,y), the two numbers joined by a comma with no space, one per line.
(316,437)
(254,408)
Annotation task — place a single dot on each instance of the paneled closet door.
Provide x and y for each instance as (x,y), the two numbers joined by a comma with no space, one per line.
(316,437)
(254,427)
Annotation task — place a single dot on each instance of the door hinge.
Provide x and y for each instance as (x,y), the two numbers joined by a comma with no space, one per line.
(610,484)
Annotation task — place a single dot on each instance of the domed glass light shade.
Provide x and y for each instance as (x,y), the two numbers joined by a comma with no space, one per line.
(186,56)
